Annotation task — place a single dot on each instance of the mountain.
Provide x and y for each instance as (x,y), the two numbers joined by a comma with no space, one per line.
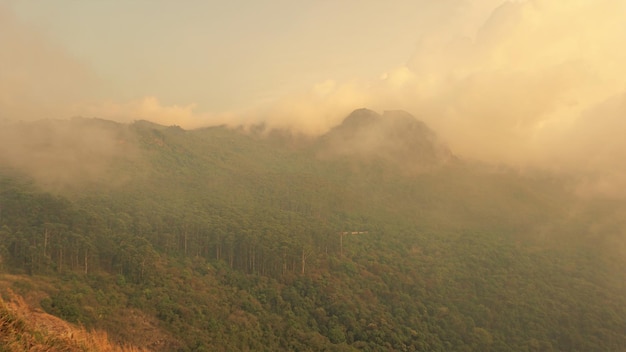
(395,136)
(373,236)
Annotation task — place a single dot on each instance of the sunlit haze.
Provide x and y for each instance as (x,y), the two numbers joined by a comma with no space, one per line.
(291,175)
(527,83)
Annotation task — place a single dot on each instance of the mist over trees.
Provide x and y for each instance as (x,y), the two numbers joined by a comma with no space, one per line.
(372,237)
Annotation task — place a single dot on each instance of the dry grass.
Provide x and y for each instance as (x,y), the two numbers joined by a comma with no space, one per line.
(25,329)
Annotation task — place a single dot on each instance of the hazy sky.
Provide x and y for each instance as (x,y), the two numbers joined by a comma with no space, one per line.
(535,82)
(222,56)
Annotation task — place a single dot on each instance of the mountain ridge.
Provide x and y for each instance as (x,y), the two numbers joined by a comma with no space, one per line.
(231,239)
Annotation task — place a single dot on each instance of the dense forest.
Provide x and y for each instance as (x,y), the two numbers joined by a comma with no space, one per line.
(374,237)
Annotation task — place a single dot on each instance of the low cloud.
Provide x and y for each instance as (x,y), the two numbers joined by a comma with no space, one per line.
(62,153)
(540,84)
(533,84)
(151,109)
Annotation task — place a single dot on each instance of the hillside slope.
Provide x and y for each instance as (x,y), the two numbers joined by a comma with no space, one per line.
(372,237)
(23,328)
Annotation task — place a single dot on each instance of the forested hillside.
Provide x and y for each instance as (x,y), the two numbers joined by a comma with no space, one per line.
(373,237)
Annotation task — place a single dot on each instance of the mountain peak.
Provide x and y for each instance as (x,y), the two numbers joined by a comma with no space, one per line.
(361,116)
(396,135)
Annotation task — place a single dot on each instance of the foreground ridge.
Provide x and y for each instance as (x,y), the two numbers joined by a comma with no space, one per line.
(25,329)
